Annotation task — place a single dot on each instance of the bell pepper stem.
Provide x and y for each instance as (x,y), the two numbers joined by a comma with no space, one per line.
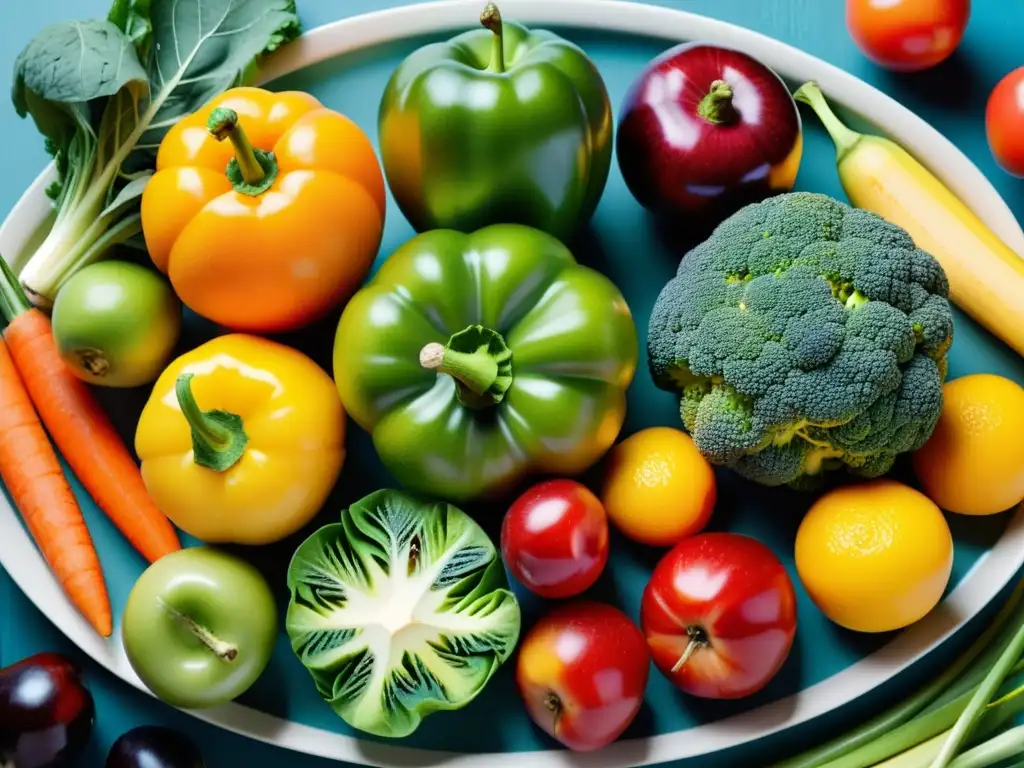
(251,170)
(218,439)
(844,138)
(716,106)
(476,372)
(479,361)
(491,18)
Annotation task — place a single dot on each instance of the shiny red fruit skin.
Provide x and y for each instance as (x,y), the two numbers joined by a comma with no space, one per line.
(907,35)
(46,712)
(678,163)
(1004,122)
(554,538)
(590,662)
(738,593)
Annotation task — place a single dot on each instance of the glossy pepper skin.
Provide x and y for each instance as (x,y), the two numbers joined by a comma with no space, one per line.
(477,359)
(273,228)
(241,440)
(497,125)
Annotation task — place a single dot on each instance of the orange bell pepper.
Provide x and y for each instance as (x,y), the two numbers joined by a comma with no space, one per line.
(273,229)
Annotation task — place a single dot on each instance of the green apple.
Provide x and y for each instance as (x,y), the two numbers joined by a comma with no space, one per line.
(199,627)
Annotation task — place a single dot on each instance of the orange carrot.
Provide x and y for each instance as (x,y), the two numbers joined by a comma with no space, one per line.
(81,429)
(36,482)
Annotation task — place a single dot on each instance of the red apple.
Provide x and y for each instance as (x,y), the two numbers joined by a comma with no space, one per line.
(719,614)
(554,538)
(705,130)
(582,671)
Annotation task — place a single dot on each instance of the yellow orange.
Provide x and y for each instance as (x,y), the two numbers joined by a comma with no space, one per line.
(657,487)
(874,556)
(974,462)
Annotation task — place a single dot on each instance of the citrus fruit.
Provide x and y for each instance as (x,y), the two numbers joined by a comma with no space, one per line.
(657,487)
(874,556)
(973,464)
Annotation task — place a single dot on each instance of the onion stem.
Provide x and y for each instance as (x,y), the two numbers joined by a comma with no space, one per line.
(980,700)
(933,707)
(1004,746)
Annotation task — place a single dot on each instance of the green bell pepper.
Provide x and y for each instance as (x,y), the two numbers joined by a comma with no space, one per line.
(505,125)
(477,359)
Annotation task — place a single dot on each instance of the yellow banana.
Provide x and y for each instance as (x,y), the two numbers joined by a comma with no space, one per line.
(986,277)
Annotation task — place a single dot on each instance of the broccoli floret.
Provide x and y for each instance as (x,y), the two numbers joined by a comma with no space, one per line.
(804,336)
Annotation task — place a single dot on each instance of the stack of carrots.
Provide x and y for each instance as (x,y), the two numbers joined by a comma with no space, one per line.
(37,389)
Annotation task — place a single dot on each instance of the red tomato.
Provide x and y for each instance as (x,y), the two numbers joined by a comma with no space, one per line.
(554,538)
(1004,122)
(582,671)
(907,35)
(719,614)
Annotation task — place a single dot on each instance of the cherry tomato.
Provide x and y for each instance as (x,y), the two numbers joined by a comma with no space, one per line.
(581,672)
(554,538)
(719,614)
(1004,122)
(907,35)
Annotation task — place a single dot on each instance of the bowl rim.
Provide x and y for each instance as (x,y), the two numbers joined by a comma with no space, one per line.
(991,572)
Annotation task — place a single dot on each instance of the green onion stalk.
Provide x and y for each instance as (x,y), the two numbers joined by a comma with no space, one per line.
(958,720)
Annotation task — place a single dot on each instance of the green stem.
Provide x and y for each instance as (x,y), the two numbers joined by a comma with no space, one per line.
(856,300)
(716,106)
(124,229)
(251,170)
(980,700)
(1002,747)
(927,726)
(479,361)
(476,372)
(491,18)
(844,138)
(903,712)
(13,300)
(218,440)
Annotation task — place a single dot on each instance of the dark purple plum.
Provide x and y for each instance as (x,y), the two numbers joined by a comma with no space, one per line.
(46,712)
(705,130)
(151,746)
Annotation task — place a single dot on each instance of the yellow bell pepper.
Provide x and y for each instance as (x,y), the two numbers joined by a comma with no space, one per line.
(241,441)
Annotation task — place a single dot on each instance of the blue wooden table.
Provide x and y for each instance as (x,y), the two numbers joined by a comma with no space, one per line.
(952,97)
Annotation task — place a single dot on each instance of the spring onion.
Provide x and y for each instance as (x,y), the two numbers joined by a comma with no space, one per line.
(980,700)
(953,712)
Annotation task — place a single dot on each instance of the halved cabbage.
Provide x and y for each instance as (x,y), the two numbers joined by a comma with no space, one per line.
(400,610)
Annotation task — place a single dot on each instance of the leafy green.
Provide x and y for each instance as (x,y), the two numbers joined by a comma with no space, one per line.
(132,18)
(400,610)
(104,92)
(203,47)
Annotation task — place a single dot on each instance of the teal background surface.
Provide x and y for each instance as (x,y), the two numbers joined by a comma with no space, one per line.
(951,97)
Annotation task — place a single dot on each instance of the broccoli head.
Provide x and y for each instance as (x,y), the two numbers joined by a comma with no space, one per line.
(804,335)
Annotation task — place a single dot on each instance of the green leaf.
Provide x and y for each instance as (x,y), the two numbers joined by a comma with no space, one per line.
(203,47)
(60,77)
(129,195)
(399,610)
(118,123)
(133,18)
(75,62)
